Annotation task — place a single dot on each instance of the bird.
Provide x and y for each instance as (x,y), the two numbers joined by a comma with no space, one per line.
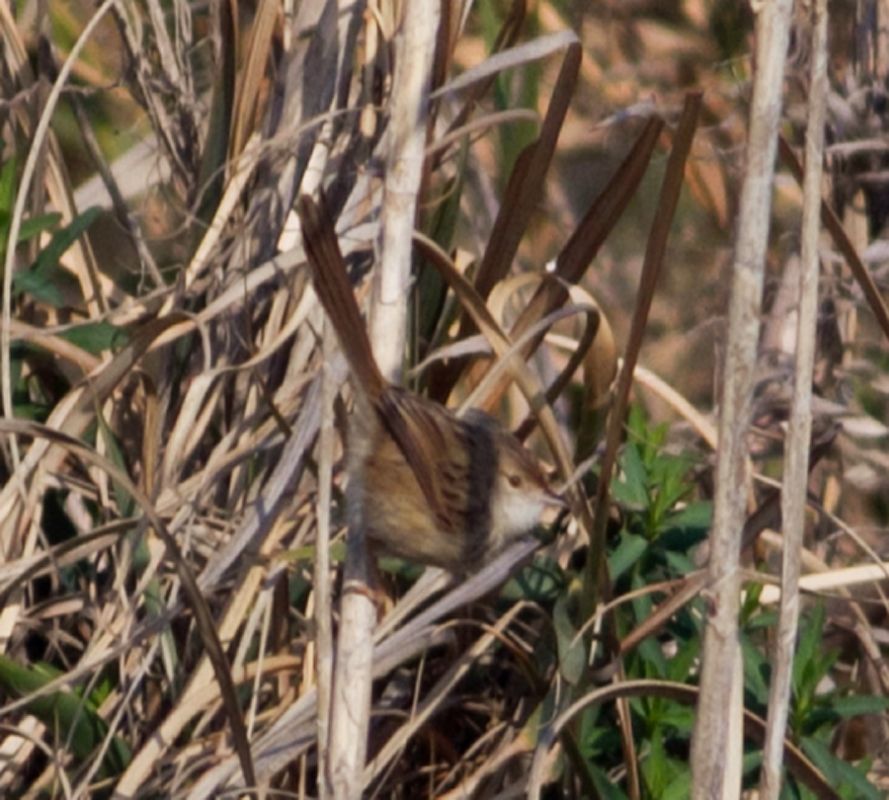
(426,485)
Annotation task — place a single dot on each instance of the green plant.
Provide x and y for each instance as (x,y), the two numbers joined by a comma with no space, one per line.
(660,520)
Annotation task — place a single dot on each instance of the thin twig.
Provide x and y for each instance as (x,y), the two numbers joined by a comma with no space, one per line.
(796,473)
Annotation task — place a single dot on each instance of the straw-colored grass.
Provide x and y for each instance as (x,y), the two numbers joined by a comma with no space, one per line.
(538,208)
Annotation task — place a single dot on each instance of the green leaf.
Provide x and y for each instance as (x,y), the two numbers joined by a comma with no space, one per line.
(637,425)
(750,605)
(64,238)
(680,563)
(96,337)
(658,769)
(679,788)
(42,286)
(680,666)
(811,662)
(809,644)
(630,489)
(668,476)
(572,653)
(846,778)
(35,225)
(694,515)
(541,582)
(29,228)
(7,195)
(683,529)
(856,705)
(74,719)
(45,280)
(649,650)
(678,716)
(630,549)
(596,735)
(36,412)
(755,669)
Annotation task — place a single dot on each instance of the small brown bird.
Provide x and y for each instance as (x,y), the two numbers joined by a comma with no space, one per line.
(426,485)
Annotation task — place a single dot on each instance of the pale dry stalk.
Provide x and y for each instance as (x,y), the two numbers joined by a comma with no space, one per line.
(350,709)
(796,465)
(716,744)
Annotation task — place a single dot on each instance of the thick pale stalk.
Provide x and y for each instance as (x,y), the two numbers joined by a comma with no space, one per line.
(715,752)
(407,137)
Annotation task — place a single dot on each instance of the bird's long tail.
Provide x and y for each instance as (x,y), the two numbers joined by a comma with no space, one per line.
(332,286)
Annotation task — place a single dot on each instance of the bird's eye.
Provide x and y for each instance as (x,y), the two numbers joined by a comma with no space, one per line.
(515,481)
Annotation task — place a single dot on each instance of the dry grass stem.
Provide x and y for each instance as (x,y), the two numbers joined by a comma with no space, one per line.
(715,756)
(406,137)
(796,465)
(517,204)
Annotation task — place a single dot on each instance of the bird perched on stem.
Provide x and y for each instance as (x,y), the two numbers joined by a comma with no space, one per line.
(426,485)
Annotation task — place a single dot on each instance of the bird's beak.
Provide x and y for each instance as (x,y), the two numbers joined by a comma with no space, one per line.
(554,500)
